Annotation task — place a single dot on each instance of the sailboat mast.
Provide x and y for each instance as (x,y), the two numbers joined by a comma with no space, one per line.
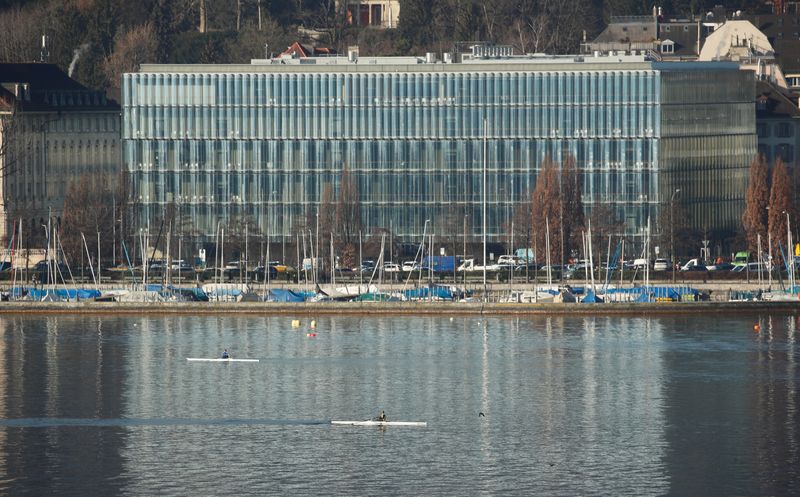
(483,201)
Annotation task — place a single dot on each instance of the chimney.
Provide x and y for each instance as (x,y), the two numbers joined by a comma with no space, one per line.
(352,54)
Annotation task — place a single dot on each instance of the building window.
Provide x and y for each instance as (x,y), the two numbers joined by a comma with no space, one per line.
(762,129)
(785,130)
(785,152)
(376,16)
(666,29)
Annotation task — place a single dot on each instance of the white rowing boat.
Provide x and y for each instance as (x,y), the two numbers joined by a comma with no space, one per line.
(380,423)
(230,359)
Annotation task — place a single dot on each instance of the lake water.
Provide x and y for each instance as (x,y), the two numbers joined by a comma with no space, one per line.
(683,405)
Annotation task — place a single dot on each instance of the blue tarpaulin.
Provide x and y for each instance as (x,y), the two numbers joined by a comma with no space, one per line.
(438,292)
(56,293)
(281,295)
(591,298)
(651,293)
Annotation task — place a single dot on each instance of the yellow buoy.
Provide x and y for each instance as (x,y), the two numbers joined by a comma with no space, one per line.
(313,324)
(295,323)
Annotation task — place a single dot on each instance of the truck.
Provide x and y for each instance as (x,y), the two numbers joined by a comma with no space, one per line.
(741,258)
(441,263)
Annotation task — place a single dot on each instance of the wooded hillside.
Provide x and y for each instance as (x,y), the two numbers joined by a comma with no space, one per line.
(100,39)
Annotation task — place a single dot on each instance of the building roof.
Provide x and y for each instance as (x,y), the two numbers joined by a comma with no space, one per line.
(297,50)
(45,87)
(517,63)
(648,33)
(774,102)
(735,37)
(684,33)
(641,29)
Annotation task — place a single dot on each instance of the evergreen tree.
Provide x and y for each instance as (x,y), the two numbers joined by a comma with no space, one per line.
(416,28)
(757,198)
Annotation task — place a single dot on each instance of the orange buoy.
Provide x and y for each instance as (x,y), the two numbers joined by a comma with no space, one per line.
(756,328)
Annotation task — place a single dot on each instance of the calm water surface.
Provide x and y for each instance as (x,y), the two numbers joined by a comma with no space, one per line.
(688,405)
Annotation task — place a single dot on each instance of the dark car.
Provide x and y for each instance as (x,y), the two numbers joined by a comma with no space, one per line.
(259,273)
(722,266)
(43,269)
(696,267)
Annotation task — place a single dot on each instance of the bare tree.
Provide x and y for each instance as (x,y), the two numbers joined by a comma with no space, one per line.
(572,203)
(348,215)
(546,209)
(131,48)
(754,218)
(203,27)
(88,210)
(781,204)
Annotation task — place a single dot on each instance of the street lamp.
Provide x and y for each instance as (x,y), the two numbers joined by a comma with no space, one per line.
(672,230)
(789,252)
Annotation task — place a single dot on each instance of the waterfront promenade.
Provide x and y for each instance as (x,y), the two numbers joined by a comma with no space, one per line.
(311,309)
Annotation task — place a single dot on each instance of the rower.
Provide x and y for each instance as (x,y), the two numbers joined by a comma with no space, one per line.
(382,416)
(225,354)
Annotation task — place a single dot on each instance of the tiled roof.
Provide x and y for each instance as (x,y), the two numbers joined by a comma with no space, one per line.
(296,49)
(774,101)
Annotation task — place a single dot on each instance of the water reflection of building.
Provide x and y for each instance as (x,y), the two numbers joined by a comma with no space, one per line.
(731,403)
(56,368)
(773,405)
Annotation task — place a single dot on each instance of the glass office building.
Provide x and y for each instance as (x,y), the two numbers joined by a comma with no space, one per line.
(264,139)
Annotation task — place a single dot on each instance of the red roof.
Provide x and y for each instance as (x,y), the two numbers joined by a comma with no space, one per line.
(298,50)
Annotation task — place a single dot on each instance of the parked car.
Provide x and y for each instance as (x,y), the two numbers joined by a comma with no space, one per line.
(753,267)
(692,263)
(696,267)
(391,267)
(661,265)
(259,273)
(722,266)
(409,266)
(507,260)
(181,265)
(233,268)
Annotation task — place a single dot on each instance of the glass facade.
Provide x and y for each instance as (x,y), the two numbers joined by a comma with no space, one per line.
(264,140)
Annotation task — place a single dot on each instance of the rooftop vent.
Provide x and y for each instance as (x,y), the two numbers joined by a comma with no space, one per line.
(352,54)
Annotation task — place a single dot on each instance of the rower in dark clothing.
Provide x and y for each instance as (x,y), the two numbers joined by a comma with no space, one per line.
(382,416)
(225,354)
